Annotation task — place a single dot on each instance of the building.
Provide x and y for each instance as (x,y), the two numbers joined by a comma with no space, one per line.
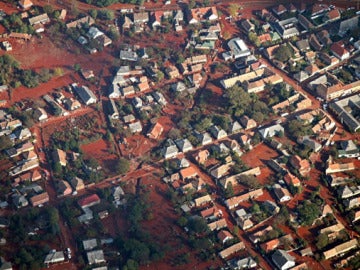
(302,165)
(340,249)
(40,114)
(89,201)
(95,257)
(202,156)
(234,201)
(231,250)
(54,257)
(283,260)
(155,131)
(238,49)
(39,199)
(63,188)
(77,183)
(217,225)
(247,122)
(339,50)
(271,131)
(197,15)
(90,244)
(85,94)
(348,149)
(224,236)
(25,4)
(60,156)
(345,110)
(287,28)
(184,145)
(282,194)
(202,200)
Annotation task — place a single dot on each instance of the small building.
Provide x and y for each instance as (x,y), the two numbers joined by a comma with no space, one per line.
(54,257)
(283,260)
(63,188)
(135,127)
(348,149)
(89,244)
(40,114)
(231,250)
(85,94)
(39,199)
(282,194)
(155,131)
(202,156)
(89,201)
(247,122)
(60,156)
(184,145)
(224,236)
(95,257)
(77,183)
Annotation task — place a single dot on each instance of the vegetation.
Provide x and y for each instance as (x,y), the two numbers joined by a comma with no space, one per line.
(308,212)
(122,166)
(12,74)
(283,53)
(138,248)
(239,103)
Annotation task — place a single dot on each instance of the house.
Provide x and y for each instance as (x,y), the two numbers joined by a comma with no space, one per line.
(211,213)
(90,244)
(128,55)
(340,249)
(221,170)
(311,69)
(279,9)
(234,201)
(271,131)
(247,122)
(178,87)
(237,48)
(184,145)
(89,201)
(127,23)
(247,25)
(71,104)
(245,223)
(202,156)
(301,76)
(235,127)
(338,49)
(302,165)
(155,131)
(129,118)
(85,94)
(231,250)
(54,257)
(314,42)
(348,149)
(303,45)
(282,194)
(159,97)
(172,72)
(198,15)
(135,127)
(204,138)
(339,167)
(25,4)
(346,116)
(324,37)
(317,10)
(79,22)
(60,156)
(77,183)
(224,236)
(40,114)
(141,18)
(217,132)
(202,200)
(283,260)
(332,15)
(270,245)
(95,257)
(291,179)
(287,28)
(39,199)
(217,225)
(63,188)
(188,173)
(244,263)
(170,151)
(304,22)
(7,47)
(256,236)
(128,90)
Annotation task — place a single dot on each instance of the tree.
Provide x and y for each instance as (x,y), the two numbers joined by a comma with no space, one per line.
(253,37)
(122,166)
(233,9)
(5,142)
(308,212)
(198,225)
(283,53)
(249,180)
(229,191)
(322,241)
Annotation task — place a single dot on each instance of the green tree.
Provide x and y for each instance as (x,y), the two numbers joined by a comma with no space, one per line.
(283,53)
(122,166)
(233,9)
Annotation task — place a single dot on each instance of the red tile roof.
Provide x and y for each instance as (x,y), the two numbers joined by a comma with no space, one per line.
(89,200)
